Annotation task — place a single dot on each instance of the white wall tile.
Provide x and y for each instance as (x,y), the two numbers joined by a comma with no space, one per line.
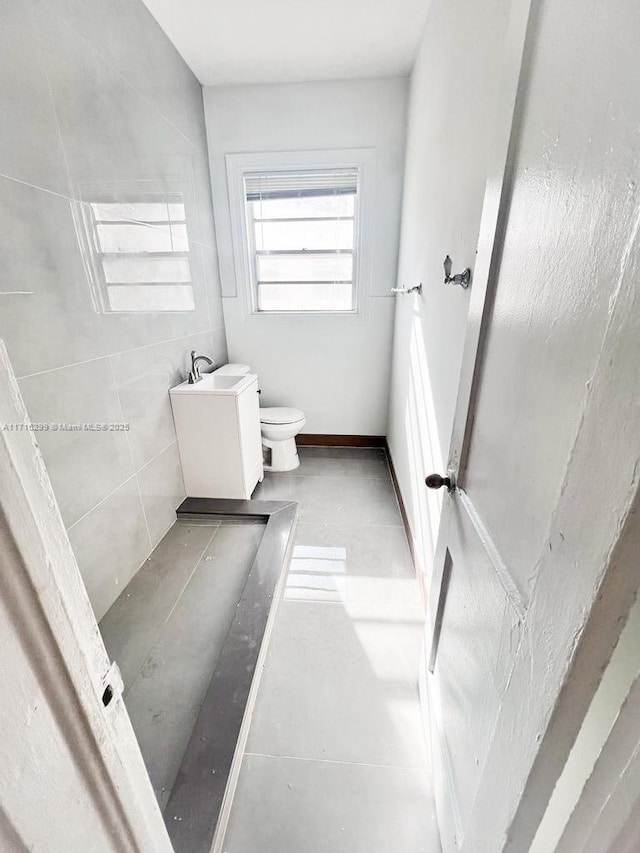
(162,491)
(110,544)
(35,157)
(129,39)
(98,106)
(85,462)
(52,321)
(143,378)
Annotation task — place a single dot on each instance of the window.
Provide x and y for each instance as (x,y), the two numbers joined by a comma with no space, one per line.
(140,255)
(300,231)
(302,239)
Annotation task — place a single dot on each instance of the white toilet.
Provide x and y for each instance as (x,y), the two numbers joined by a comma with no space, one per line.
(279,426)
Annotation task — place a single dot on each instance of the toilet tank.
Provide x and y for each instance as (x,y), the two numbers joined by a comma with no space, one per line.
(233,370)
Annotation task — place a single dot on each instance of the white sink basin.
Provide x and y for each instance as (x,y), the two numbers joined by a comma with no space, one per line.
(211,383)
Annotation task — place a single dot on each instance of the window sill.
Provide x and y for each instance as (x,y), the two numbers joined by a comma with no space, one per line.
(352,314)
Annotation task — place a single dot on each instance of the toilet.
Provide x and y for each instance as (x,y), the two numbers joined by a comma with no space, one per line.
(279,426)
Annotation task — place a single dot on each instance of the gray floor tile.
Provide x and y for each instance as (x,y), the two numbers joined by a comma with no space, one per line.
(135,619)
(336,760)
(166,631)
(163,734)
(162,797)
(340,683)
(179,667)
(334,500)
(110,544)
(289,806)
(342,462)
(352,564)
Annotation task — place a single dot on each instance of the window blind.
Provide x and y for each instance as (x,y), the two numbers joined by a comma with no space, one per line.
(277,185)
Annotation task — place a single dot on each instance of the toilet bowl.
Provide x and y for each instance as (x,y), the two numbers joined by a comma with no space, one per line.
(279,426)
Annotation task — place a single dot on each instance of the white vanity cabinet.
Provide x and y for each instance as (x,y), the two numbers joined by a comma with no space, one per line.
(218,425)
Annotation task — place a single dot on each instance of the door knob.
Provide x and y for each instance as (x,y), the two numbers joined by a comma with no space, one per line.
(435,481)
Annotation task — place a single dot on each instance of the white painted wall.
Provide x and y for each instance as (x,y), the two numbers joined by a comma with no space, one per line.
(449,127)
(336,369)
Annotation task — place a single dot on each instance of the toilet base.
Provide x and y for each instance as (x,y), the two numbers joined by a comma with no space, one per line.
(284,454)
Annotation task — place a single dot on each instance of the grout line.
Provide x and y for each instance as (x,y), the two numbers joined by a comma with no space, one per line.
(128,440)
(45,71)
(381,605)
(153,458)
(154,643)
(120,352)
(123,483)
(81,201)
(36,187)
(412,769)
(115,70)
(144,515)
(101,501)
(120,406)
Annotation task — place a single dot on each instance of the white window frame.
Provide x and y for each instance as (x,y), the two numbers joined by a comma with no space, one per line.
(238,165)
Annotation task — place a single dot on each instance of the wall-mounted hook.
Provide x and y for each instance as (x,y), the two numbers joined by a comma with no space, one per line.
(417,289)
(462,278)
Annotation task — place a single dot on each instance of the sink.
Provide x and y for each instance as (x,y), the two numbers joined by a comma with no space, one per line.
(211,383)
(217,422)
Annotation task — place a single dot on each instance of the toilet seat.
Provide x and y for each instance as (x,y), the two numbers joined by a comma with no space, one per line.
(281,415)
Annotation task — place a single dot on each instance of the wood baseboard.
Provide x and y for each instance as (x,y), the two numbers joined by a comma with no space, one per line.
(405,522)
(323,440)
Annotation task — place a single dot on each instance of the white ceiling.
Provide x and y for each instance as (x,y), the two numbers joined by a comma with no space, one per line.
(273,41)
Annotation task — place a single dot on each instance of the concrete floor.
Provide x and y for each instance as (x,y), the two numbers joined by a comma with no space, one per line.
(336,760)
(166,630)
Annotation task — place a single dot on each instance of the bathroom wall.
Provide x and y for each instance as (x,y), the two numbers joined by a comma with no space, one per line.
(449,125)
(334,368)
(103,142)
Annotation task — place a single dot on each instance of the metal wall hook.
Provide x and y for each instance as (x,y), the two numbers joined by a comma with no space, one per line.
(462,278)
(417,289)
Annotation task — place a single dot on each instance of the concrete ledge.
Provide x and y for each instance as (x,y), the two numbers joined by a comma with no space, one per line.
(206,778)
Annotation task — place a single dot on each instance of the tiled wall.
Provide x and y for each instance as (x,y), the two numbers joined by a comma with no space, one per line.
(103,127)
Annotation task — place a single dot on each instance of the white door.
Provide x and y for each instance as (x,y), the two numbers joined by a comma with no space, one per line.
(72,778)
(536,562)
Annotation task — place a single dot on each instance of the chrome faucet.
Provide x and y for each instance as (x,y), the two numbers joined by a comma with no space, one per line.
(194,373)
